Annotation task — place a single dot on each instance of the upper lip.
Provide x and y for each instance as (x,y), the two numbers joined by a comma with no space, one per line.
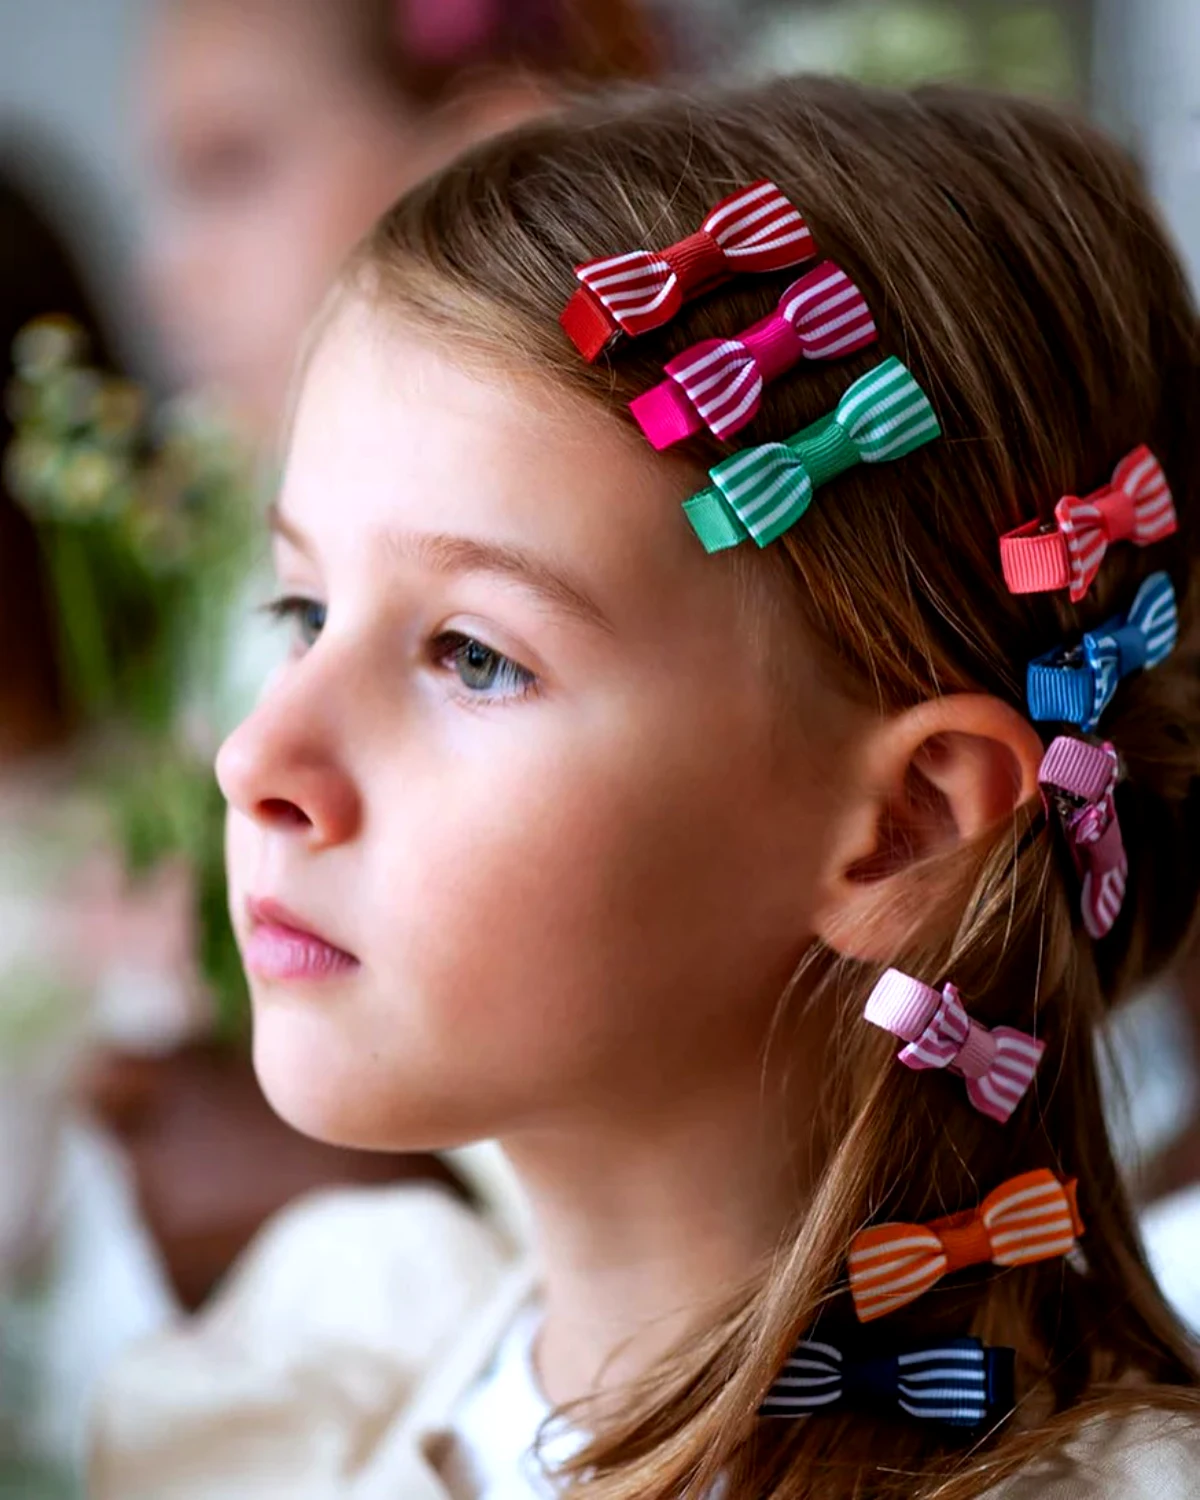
(265,911)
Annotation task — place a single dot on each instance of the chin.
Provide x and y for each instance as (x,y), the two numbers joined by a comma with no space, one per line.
(341,1095)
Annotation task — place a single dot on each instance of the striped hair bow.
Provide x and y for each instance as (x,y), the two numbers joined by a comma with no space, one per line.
(718,383)
(762,491)
(755,229)
(998,1064)
(1135,507)
(959,1382)
(1078,781)
(1030,1217)
(1076,685)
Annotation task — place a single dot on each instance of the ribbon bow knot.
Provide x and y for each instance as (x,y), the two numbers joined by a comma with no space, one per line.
(1075,686)
(1029,1218)
(1135,506)
(959,1382)
(1078,782)
(719,383)
(997,1065)
(764,490)
(754,229)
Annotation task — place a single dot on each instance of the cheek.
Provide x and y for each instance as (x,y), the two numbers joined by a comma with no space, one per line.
(559,922)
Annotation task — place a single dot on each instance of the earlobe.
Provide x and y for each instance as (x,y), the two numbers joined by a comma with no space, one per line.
(932,782)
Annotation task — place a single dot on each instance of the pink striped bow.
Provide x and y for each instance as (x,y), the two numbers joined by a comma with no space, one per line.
(719,383)
(998,1064)
(1078,781)
(755,229)
(1136,506)
(1028,1218)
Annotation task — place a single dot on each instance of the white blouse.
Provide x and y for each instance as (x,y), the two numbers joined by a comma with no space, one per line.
(373,1344)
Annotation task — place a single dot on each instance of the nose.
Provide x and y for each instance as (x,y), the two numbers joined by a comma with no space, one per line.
(281,768)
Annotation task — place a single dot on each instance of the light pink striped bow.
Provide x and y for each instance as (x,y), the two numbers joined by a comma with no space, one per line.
(755,229)
(719,383)
(997,1064)
(1136,506)
(1078,782)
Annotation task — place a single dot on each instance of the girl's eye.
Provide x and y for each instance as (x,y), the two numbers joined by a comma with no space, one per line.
(483,672)
(306,617)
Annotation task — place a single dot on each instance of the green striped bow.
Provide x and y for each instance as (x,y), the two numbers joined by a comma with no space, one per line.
(762,491)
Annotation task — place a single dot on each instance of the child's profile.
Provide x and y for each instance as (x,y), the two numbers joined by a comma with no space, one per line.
(637,802)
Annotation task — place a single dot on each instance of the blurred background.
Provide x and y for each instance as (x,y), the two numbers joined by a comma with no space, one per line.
(178,181)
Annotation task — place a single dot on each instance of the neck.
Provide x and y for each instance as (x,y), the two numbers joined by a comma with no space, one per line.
(646,1227)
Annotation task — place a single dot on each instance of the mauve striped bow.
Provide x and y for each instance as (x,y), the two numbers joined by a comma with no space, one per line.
(1030,1217)
(959,1382)
(1135,507)
(719,383)
(755,229)
(762,491)
(1078,782)
(998,1064)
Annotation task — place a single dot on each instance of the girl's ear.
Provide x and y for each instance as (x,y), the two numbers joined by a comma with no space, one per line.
(930,781)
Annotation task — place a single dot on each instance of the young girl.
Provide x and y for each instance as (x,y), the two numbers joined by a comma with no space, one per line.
(644,838)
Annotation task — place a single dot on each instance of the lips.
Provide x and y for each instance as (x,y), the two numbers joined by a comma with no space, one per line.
(281,947)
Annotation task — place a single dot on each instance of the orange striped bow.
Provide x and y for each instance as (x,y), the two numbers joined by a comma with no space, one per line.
(1030,1217)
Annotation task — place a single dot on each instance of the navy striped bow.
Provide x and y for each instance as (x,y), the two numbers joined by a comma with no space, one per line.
(1075,686)
(960,1383)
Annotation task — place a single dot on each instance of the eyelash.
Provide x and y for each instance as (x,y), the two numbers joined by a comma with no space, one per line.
(449,649)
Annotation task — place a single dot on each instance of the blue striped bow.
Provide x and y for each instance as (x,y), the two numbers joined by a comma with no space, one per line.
(959,1382)
(1075,686)
(762,491)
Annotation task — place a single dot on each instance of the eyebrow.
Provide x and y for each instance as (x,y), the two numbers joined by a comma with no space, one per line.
(446,553)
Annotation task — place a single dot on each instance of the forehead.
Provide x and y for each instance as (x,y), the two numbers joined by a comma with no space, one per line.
(389,432)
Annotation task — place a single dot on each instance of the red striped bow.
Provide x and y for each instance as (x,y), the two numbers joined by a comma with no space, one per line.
(755,229)
(1135,507)
(1030,1217)
(719,382)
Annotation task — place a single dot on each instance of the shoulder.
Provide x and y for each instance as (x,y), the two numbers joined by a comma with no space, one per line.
(316,1342)
(1148,1455)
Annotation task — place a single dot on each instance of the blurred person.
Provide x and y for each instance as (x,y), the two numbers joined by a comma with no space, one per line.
(137,1155)
(280,130)
(603,789)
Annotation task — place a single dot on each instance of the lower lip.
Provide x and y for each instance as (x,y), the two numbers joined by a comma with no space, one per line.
(274,952)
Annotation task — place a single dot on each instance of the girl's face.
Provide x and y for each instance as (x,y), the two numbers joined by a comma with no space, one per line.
(528,826)
(273,154)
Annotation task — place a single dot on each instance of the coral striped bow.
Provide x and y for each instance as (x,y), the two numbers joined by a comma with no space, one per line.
(1135,507)
(718,383)
(1031,1217)
(755,229)
(959,1382)
(1078,781)
(998,1065)
(762,491)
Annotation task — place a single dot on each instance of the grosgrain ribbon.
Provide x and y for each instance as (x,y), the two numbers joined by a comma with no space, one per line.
(718,383)
(958,1382)
(1029,1218)
(997,1064)
(754,229)
(1078,782)
(762,491)
(1076,685)
(1136,506)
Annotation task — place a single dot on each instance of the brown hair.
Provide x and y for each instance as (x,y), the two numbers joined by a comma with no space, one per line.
(1011,258)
